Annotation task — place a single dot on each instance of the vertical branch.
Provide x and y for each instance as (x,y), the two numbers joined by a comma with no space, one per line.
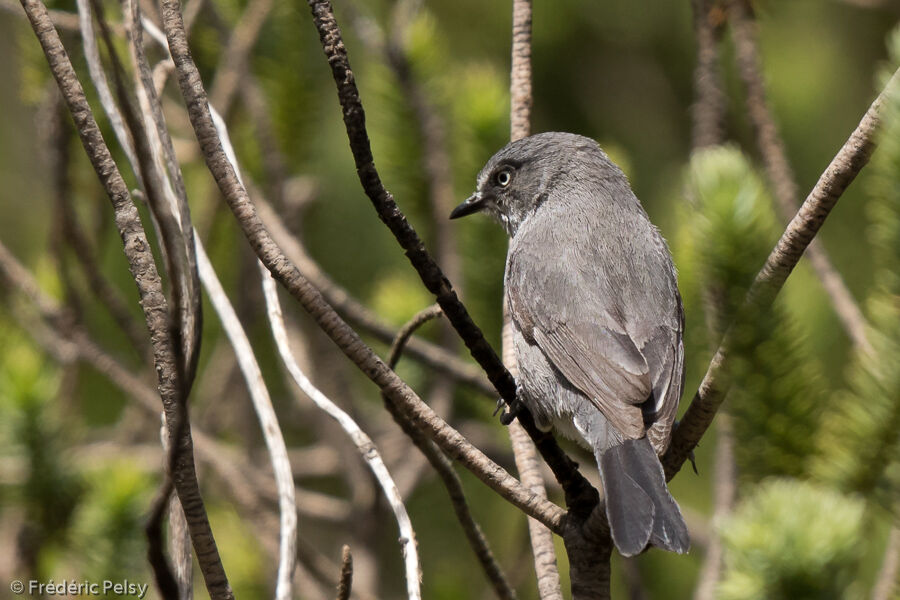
(724,492)
(779,172)
(153,301)
(708,114)
(708,110)
(520,101)
(520,98)
(176,242)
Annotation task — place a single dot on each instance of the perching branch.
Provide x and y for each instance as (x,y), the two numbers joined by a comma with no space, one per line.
(153,301)
(779,172)
(300,288)
(844,167)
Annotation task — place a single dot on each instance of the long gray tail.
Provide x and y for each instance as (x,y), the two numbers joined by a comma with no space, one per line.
(639,506)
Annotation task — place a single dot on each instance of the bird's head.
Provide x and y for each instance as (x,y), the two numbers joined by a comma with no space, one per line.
(523,175)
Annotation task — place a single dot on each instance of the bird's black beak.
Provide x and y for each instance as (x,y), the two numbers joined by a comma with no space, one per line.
(472,204)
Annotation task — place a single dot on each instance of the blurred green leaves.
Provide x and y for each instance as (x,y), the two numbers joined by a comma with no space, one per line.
(776,389)
(861,434)
(32,431)
(792,540)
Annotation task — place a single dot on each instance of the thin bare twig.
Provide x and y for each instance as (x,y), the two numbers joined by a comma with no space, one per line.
(779,172)
(175,209)
(153,301)
(268,422)
(724,494)
(842,170)
(233,62)
(708,110)
(98,78)
(300,288)
(77,239)
(362,441)
(156,556)
(356,313)
(444,468)
(888,580)
(408,329)
(346,582)
(176,242)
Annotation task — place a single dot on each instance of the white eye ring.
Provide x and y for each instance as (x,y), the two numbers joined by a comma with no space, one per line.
(503,177)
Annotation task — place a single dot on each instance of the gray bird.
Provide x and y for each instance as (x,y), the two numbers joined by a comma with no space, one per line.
(597,320)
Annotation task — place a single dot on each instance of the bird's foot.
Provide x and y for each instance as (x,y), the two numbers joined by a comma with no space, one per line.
(512,410)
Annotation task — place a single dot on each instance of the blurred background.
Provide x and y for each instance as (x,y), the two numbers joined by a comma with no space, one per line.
(812,421)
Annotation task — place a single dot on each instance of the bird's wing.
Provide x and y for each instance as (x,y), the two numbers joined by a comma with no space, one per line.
(558,306)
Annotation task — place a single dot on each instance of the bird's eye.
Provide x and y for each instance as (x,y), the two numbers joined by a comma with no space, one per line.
(503,177)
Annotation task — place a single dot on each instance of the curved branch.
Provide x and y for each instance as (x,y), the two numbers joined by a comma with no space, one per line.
(268,421)
(328,320)
(842,170)
(359,438)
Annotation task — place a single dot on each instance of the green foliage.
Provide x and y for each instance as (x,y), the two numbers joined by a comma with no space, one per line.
(792,540)
(109,524)
(859,436)
(775,384)
(32,431)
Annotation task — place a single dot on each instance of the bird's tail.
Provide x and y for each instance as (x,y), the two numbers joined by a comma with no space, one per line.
(639,506)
